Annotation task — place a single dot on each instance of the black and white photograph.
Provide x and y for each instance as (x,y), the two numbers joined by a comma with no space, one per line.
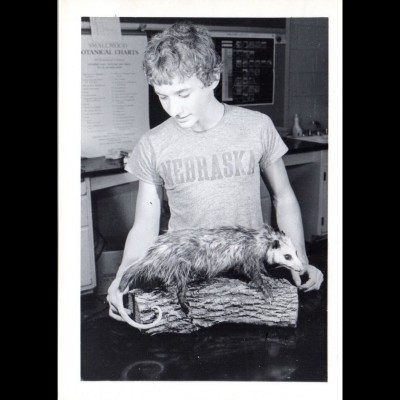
(205,142)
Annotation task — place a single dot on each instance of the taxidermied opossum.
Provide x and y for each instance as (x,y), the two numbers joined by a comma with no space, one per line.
(180,257)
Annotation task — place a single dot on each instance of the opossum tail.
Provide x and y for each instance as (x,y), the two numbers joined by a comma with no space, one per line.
(130,321)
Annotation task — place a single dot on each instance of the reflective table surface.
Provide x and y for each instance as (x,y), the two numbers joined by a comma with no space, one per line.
(113,351)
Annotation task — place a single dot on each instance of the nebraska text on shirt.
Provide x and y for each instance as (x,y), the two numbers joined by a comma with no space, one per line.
(216,166)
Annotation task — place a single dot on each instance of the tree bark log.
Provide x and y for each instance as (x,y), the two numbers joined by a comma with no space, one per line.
(220,300)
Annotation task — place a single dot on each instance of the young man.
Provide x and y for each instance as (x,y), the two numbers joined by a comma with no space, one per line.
(208,155)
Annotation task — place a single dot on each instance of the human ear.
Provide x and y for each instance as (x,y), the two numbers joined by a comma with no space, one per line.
(215,83)
(276,244)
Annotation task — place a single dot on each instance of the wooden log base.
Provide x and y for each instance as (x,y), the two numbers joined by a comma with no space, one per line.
(220,300)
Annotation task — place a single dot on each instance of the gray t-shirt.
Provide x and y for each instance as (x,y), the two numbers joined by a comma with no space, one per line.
(212,178)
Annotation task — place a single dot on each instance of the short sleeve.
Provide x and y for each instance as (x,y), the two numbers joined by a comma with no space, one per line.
(272,144)
(142,162)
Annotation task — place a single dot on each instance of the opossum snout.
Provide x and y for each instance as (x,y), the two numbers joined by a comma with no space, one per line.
(294,264)
(297,268)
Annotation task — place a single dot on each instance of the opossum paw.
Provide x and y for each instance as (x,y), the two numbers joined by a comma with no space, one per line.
(269,299)
(267,296)
(254,285)
(185,308)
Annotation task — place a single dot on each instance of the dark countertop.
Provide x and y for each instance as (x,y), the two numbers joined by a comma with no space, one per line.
(113,351)
(97,166)
(302,146)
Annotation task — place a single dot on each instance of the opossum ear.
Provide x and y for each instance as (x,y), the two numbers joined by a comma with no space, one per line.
(276,244)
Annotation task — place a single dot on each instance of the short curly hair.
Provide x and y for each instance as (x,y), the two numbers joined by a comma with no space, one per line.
(181,51)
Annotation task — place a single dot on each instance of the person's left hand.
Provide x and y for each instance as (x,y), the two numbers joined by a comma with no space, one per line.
(315,278)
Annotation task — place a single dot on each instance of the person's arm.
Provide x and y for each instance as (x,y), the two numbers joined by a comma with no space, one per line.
(289,220)
(142,235)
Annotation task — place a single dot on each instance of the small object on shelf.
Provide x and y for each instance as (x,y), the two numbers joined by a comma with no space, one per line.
(296,130)
(315,128)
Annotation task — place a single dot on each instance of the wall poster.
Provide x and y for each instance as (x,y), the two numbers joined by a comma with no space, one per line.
(248,59)
(115,106)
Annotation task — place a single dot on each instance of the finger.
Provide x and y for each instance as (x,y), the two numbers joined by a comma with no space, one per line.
(313,287)
(308,284)
(114,309)
(296,278)
(116,312)
(115,316)
(320,279)
(320,282)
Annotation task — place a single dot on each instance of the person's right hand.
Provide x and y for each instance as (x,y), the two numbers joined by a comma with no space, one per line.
(112,300)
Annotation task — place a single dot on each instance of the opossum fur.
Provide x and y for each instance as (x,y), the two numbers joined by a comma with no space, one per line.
(183,256)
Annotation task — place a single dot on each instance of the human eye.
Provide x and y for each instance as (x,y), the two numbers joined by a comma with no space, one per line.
(184,95)
(162,97)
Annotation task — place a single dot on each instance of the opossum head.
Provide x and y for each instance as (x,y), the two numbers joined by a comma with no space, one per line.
(283,253)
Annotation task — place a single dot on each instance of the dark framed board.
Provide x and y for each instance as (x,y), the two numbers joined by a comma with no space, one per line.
(248,76)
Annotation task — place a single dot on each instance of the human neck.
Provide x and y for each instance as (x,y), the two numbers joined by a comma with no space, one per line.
(213,115)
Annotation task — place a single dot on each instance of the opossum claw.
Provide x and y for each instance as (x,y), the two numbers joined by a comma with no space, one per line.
(266,291)
(181,294)
(268,297)
(185,307)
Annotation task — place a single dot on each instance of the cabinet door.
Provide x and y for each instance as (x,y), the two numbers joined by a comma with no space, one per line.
(305,180)
(308,176)
(324,199)
(87,260)
(88,266)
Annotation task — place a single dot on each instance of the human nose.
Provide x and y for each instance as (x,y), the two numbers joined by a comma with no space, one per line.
(174,107)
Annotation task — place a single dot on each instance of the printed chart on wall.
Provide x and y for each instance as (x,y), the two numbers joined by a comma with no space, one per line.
(248,60)
(114,93)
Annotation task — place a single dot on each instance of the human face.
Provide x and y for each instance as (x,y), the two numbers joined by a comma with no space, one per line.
(190,103)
